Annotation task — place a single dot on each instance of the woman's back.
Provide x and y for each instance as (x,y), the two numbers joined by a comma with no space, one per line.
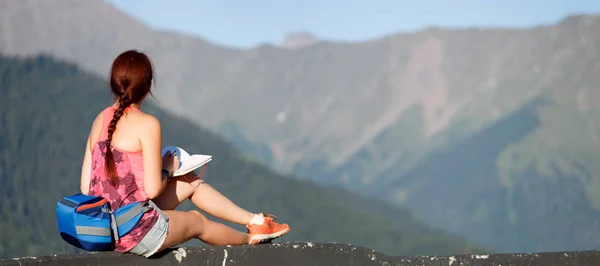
(126,134)
(129,165)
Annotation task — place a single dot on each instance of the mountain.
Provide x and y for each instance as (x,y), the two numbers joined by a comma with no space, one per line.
(45,114)
(298,40)
(487,133)
(518,170)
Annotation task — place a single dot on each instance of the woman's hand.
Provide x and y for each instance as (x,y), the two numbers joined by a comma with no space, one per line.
(170,162)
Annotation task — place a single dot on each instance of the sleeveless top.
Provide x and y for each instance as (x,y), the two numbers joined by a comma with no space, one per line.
(129,166)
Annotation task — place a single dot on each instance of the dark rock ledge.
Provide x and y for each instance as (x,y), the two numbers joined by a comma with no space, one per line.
(302,254)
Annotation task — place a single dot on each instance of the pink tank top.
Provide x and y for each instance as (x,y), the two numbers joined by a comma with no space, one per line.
(130,170)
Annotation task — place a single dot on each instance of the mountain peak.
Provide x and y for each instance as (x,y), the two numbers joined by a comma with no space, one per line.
(298,40)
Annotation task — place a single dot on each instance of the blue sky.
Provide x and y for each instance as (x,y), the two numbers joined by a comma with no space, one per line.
(245,23)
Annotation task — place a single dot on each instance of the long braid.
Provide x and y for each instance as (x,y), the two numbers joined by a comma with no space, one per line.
(109,162)
(130,81)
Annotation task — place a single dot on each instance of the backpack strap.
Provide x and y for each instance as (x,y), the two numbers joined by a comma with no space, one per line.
(94,231)
(123,217)
(113,224)
(141,207)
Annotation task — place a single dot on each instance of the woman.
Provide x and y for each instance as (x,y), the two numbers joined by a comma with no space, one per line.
(123,163)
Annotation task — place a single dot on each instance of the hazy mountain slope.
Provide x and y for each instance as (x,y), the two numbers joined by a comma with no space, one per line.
(45,114)
(508,171)
(529,180)
(503,173)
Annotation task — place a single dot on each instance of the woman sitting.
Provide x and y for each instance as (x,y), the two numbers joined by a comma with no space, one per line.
(123,163)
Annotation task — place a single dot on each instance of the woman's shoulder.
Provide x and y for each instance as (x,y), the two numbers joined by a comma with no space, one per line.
(149,124)
(99,119)
(95,130)
(146,119)
(100,116)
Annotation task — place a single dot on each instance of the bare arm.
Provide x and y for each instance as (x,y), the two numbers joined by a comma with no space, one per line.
(151,139)
(86,169)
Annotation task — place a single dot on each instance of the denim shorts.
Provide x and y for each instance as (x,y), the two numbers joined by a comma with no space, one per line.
(155,238)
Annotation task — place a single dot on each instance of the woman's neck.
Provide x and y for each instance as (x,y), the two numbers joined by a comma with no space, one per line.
(133,105)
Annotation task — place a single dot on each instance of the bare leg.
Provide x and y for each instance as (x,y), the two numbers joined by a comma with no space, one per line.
(204,197)
(184,226)
(214,203)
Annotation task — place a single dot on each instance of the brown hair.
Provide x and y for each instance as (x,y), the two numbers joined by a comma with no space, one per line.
(130,82)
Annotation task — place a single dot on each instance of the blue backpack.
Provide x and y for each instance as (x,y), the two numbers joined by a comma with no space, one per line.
(87,222)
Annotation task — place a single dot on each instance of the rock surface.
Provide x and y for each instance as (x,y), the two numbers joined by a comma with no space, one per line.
(303,254)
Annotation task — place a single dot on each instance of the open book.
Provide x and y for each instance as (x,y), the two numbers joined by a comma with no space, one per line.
(187,162)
